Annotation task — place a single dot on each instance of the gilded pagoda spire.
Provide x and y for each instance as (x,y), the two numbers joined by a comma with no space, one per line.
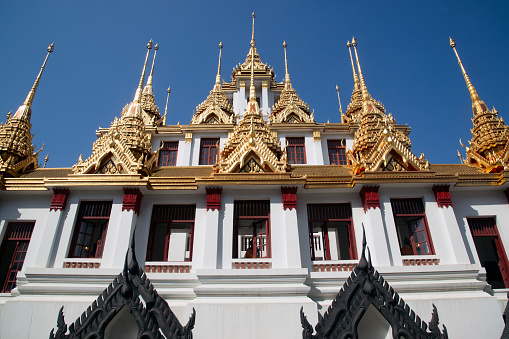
(252,92)
(288,84)
(355,78)
(16,149)
(148,86)
(379,144)
(166,107)
(217,87)
(489,147)
(216,109)
(340,108)
(355,105)
(126,147)
(477,104)
(290,107)
(139,91)
(24,110)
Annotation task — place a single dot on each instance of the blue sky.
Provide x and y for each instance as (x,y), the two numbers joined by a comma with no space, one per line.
(403,48)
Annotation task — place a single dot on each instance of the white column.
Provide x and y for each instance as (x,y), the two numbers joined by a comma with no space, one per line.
(46,237)
(209,247)
(117,240)
(375,237)
(291,227)
(459,252)
(265,99)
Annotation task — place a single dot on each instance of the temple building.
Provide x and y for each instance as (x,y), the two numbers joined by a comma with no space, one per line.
(255,220)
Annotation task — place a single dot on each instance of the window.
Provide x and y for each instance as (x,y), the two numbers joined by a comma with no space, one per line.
(296,150)
(90,229)
(490,250)
(251,230)
(208,151)
(331,235)
(411,226)
(337,152)
(13,252)
(168,154)
(171,233)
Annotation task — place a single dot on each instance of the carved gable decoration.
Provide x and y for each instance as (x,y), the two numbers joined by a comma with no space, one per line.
(153,316)
(252,148)
(216,109)
(124,149)
(366,287)
(291,108)
(389,150)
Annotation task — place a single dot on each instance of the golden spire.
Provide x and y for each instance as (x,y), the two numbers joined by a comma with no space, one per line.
(23,110)
(355,78)
(148,87)
(137,96)
(477,104)
(340,108)
(166,107)
(253,44)
(252,93)
(288,84)
(217,87)
(364,89)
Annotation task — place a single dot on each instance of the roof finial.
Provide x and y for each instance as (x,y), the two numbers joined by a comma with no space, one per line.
(30,97)
(364,89)
(473,93)
(148,88)
(46,158)
(355,78)
(166,107)
(218,76)
(340,108)
(288,85)
(137,96)
(252,36)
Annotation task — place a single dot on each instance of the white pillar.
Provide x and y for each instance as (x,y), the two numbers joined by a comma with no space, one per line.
(291,227)
(265,99)
(46,237)
(211,239)
(375,237)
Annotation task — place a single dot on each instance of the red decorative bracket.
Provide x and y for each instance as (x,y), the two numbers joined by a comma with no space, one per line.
(370,198)
(442,195)
(132,200)
(59,199)
(289,197)
(214,198)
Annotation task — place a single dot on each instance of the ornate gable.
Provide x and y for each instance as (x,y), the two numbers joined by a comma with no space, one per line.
(489,147)
(133,291)
(366,287)
(16,149)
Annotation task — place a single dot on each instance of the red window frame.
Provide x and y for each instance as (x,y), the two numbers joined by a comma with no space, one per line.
(17,235)
(168,154)
(411,212)
(208,151)
(296,150)
(487,227)
(259,212)
(90,229)
(337,152)
(328,213)
(170,214)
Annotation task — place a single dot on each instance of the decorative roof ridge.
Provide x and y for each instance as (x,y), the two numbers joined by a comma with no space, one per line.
(153,316)
(365,287)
